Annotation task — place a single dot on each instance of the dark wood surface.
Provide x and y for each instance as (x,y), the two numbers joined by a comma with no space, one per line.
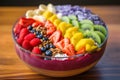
(108,68)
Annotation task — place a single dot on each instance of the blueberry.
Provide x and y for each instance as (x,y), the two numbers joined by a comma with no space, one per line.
(52,46)
(47,46)
(37,32)
(30,27)
(48,53)
(40,36)
(45,38)
(43,49)
(33,30)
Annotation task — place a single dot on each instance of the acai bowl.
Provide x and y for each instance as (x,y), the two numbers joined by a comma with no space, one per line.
(61,40)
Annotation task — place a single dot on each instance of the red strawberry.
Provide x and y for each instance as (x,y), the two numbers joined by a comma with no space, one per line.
(29,36)
(36,50)
(26,45)
(56,36)
(23,33)
(50,27)
(35,42)
(37,23)
(50,30)
(81,51)
(48,24)
(17,28)
(69,49)
(25,22)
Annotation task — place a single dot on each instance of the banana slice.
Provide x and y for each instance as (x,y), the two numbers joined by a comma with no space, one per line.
(51,8)
(37,12)
(29,14)
(42,7)
(39,18)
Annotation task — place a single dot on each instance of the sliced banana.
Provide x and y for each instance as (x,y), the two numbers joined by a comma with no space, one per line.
(37,12)
(51,8)
(39,18)
(42,7)
(29,14)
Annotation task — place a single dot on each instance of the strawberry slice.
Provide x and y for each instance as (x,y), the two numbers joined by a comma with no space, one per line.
(56,36)
(66,47)
(37,23)
(48,24)
(23,32)
(81,51)
(26,45)
(69,49)
(29,36)
(50,27)
(35,42)
(25,22)
(62,43)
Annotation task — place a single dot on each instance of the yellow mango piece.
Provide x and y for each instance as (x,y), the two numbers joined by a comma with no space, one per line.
(64,28)
(57,22)
(70,32)
(83,42)
(52,18)
(60,25)
(90,48)
(76,37)
(47,14)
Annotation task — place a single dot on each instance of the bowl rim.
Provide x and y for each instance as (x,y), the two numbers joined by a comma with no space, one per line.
(52,57)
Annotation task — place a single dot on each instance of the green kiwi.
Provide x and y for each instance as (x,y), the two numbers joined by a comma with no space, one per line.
(93,35)
(86,21)
(75,23)
(86,27)
(65,19)
(101,35)
(101,29)
(72,17)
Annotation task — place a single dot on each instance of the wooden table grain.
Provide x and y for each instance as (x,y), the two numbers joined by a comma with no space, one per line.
(108,68)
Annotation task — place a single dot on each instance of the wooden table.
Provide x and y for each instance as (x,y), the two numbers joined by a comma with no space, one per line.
(108,68)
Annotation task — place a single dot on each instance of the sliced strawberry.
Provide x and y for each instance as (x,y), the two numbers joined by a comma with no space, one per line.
(62,43)
(23,33)
(25,22)
(48,24)
(17,28)
(36,50)
(55,37)
(35,42)
(69,49)
(26,45)
(50,27)
(50,30)
(37,23)
(29,36)
(81,51)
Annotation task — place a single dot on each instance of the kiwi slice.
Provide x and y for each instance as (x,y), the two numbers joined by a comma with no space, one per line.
(65,19)
(101,35)
(86,27)
(75,23)
(86,21)
(93,35)
(72,17)
(101,29)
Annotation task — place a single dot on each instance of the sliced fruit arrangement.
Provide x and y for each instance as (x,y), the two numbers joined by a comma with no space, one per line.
(46,32)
